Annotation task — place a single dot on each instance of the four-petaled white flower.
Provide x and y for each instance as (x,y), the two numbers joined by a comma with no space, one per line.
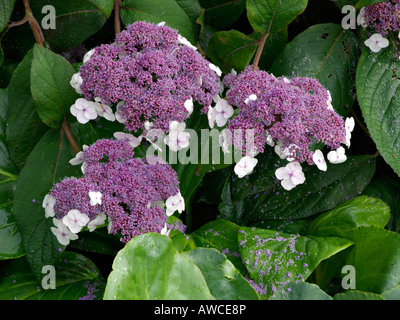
(88,55)
(177,138)
(215,68)
(48,204)
(291,175)
(175,203)
(251,97)
(189,106)
(349,126)
(62,232)
(98,221)
(319,160)
(84,110)
(337,156)
(76,82)
(376,42)
(222,112)
(245,166)
(185,42)
(127,137)
(75,220)
(95,197)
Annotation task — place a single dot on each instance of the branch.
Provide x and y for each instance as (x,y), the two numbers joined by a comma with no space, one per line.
(37,31)
(70,138)
(261,43)
(117,21)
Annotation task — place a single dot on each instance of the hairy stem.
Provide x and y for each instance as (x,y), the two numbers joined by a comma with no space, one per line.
(69,136)
(261,43)
(117,21)
(37,31)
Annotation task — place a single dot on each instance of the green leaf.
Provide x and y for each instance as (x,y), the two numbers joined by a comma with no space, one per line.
(273,15)
(157,11)
(50,85)
(392,293)
(357,295)
(222,235)
(221,14)
(231,49)
(6,8)
(24,127)
(378,92)
(73,273)
(301,291)
(357,212)
(149,267)
(223,280)
(363,3)
(273,46)
(328,53)
(274,259)
(375,258)
(75,22)
(47,164)
(260,197)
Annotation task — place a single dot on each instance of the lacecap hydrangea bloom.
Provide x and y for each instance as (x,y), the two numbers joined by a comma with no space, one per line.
(131,195)
(382,17)
(150,76)
(289,115)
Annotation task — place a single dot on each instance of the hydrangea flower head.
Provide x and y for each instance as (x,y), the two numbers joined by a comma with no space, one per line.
(152,73)
(383,17)
(290,114)
(126,190)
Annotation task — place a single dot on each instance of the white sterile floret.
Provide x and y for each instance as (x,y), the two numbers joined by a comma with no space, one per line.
(361,19)
(211,115)
(84,110)
(337,156)
(118,115)
(349,126)
(88,55)
(319,160)
(62,232)
(185,42)
(48,204)
(95,197)
(216,69)
(79,157)
(161,24)
(269,140)
(75,220)
(127,137)
(222,112)
(104,110)
(177,138)
(165,231)
(283,153)
(245,166)
(225,140)
(76,82)
(376,42)
(189,106)
(98,221)
(291,175)
(175,203)
(251,97)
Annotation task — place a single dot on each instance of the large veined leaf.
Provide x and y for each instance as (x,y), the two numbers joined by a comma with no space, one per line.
(167,11)
(149,267)
(76,277)
(273,15)
(223,280)
(6,8)
(75,21)
(260,197)
(357,212)
(378,92)
(47,164)
(357,295)
(275,259)
(328,53)
(301,291)
(50,85)
(375,258)
(24,127)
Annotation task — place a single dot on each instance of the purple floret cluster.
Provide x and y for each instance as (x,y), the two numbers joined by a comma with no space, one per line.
(133,190)
(383,17)
(149,74)
(291,113)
